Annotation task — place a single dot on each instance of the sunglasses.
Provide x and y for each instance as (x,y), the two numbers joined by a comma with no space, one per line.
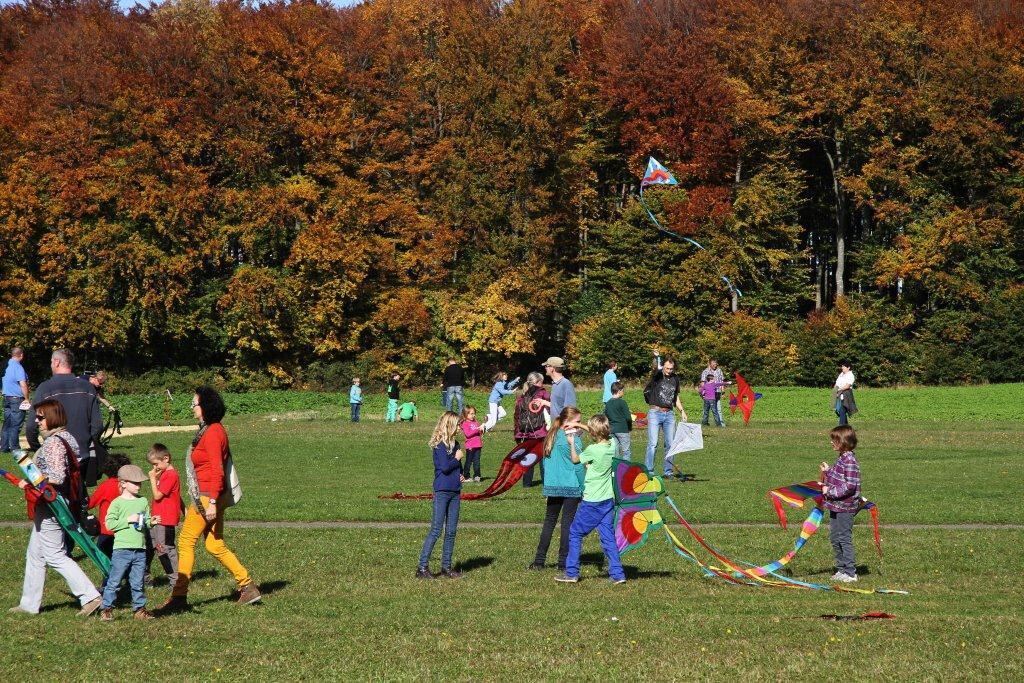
(195,404)
(40,418)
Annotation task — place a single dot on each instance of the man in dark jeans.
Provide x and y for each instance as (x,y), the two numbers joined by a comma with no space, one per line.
(451,385)
(15,385)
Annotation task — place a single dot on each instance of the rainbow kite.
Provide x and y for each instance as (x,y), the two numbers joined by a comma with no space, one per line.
(636,493)
(743,400)
(659,175)
(795,495)
(520,459)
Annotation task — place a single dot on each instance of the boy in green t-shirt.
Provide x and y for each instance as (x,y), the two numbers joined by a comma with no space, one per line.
(407,411)
(598,506)
(127,517)
(620,420)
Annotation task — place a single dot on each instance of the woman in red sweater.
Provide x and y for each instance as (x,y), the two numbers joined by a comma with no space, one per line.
(204,467)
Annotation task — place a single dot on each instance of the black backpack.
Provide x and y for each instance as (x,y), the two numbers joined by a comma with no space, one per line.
(528,422)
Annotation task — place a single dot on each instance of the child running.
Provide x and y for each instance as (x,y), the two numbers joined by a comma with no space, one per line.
(563,485)
(502,388)
(447,490)
(598,506)
(166,485)
(841,488)
(103,496)
(127,516)
(474,444)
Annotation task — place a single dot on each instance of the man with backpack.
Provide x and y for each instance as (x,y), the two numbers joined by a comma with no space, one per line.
(662,396)
(528,415)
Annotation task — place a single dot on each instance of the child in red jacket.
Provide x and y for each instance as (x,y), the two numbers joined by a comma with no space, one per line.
(103,495)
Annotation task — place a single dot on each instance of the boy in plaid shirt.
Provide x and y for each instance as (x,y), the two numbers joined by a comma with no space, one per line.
(840,487)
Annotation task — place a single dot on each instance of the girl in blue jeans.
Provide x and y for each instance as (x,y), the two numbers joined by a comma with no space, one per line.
(447,489)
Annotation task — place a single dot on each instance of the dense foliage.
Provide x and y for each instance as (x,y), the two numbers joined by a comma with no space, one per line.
(293,192)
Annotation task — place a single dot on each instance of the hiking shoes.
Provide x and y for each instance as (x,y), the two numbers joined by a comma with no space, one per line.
(107,614)
(143,614)
(90,607)
(174,604)
(451,574)
(249,594)
(424,573)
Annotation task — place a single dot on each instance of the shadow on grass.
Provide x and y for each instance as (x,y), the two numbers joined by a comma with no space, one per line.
(473,563)
(862,570)
(73,604)
(632,573)
(266,588)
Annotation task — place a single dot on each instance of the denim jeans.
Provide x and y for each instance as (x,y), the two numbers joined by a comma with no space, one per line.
(451,395)
(355,411)
(664,421)
(446,514)
(130,561)
(711,407)
(14,417)
(841,412)
(590,516)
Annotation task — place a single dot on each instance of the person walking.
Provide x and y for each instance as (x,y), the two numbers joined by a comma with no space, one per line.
(16,394)
(842,393)
(82,408)
(204,518)
(662,396)
(452,383)
(528,416)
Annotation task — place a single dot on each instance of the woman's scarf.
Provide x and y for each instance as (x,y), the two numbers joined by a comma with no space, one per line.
(190,469)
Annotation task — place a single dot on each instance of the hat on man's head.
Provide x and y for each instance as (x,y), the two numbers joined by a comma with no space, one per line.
(555,362)
(131,473)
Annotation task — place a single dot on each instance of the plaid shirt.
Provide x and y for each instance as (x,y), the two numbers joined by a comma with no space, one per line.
(842,484)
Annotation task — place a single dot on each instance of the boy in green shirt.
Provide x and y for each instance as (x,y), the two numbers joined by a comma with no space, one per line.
(127,516)
(621,420)
(598,506)
(407,411)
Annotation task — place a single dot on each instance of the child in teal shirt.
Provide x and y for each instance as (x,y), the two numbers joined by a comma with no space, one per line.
(598,506)
(127,517)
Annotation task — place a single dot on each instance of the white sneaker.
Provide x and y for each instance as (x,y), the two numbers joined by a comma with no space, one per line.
(840,577)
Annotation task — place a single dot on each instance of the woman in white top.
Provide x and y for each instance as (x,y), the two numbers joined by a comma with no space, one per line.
(842,394)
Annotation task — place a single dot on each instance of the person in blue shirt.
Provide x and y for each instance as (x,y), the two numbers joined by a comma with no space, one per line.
(502,388)
(355,399)
(15,385)
(610,378)
(447,496)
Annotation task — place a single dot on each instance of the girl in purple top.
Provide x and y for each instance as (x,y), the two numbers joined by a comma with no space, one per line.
(447,491)
(840,488)
(709,389)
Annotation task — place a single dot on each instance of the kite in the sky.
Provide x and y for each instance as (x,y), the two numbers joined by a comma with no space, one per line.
(744,399)
(659,175)
(520,459)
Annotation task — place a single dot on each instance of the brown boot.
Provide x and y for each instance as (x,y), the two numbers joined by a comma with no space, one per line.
(174,604)
(143,614)
(249,594)
(107,614)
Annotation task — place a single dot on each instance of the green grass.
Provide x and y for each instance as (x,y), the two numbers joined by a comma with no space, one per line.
(343,603)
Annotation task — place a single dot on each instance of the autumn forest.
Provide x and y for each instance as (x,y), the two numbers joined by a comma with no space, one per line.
(295,192)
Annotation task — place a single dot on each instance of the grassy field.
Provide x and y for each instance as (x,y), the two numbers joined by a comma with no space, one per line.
(343,604)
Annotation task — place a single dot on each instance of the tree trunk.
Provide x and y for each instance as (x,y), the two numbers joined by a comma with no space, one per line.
(842,219)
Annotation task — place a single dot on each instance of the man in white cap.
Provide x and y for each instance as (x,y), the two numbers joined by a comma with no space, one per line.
(563,393)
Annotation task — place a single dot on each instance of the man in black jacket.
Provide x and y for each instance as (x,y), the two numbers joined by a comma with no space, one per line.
(662,396)
(78,398)
(451,384)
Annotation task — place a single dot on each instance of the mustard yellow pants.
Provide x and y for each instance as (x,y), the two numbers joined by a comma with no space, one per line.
(197,525)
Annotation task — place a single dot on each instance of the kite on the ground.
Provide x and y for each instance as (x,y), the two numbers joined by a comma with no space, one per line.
(636,493)
(795,495)
(659,175)
(744,399)
(520,459)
